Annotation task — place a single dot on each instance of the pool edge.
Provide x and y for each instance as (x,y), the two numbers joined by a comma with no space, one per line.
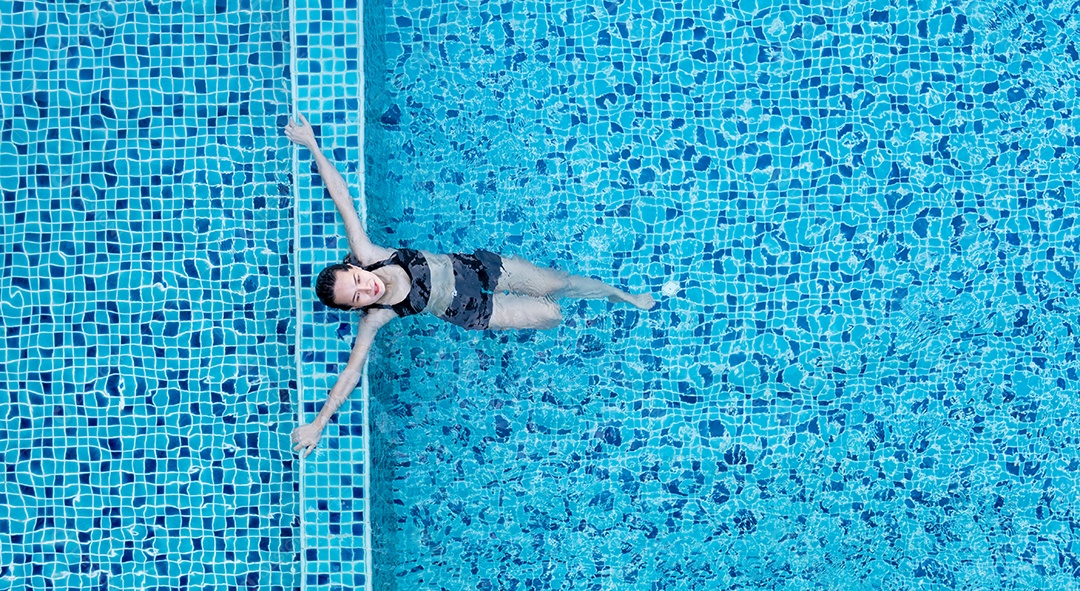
(333,99)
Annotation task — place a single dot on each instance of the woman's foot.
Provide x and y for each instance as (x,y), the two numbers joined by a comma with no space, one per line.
(642,300)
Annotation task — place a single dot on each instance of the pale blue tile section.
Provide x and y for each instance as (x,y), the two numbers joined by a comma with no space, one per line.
(329,92)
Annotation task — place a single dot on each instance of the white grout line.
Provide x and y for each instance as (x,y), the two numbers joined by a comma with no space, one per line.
(368,554)
(366,417)
(298,325)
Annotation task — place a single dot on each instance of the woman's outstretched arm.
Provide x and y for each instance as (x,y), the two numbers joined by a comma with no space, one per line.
(306,437)
(359,243)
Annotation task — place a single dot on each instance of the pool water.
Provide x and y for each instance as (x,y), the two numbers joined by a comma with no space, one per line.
(861,217)
(863,372)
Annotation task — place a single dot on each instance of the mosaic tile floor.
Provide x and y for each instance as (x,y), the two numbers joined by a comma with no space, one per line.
(862,217)
(146,298)
(864,374)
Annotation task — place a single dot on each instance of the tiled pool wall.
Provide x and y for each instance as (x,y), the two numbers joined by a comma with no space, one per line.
(329,91)
(146,297)
(866,374)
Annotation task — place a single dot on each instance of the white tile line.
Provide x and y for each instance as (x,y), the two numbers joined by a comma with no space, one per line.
(299,321)
(366,416)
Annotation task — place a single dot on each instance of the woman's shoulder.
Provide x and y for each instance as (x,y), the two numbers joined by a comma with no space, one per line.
(377,316)
(373,254)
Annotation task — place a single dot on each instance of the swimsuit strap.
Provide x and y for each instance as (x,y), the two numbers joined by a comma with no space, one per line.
(394,259)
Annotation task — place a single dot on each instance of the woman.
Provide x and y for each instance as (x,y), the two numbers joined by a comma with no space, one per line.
(481,291)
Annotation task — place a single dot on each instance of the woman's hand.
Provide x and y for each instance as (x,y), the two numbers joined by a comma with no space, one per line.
(306,437)
(301,133)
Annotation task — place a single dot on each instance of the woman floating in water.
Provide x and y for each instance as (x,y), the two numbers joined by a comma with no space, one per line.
(480,291)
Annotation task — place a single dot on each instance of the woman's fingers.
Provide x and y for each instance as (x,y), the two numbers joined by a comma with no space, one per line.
(299,132)
(292,126)
(306,439)
(298,122)
(304,448)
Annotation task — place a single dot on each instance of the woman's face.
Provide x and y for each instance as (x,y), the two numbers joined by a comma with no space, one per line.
(356,288)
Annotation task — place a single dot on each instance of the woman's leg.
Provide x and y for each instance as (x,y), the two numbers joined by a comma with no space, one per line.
(521,276)
(516,311)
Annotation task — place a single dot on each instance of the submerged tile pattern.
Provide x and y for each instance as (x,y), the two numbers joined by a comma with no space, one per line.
(145,298)
(866,371)
(330,94)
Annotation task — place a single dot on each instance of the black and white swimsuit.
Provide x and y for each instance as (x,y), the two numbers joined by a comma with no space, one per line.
(475,278)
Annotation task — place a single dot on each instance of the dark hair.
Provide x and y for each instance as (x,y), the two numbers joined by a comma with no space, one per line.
(324,285)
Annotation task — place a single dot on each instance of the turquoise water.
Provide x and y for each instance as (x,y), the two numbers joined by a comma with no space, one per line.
(146,298)
(864,375)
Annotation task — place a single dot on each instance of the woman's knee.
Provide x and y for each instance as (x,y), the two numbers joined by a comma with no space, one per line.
(525,312)
(521,276)
(544,314)
(554,318)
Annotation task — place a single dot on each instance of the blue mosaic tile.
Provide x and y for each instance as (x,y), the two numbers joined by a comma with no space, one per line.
(864,366)
(146,298)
